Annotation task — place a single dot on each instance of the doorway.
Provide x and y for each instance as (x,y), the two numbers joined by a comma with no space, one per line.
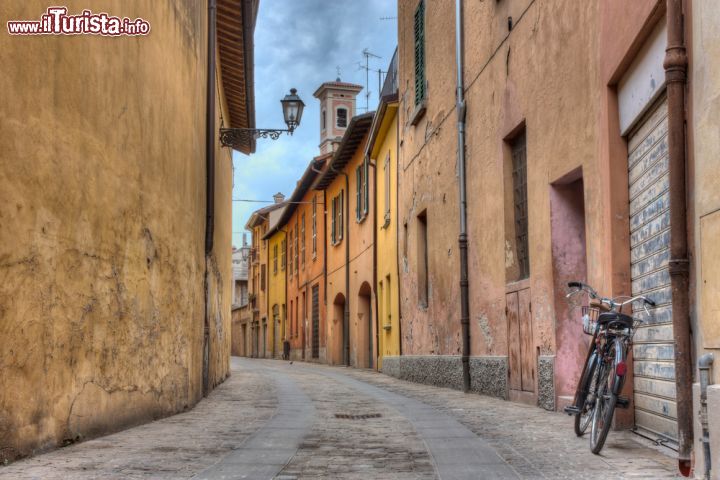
(363,327)
(338,331)
(569,263)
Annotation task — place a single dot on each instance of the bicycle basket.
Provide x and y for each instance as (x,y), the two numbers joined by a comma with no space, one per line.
(589,318)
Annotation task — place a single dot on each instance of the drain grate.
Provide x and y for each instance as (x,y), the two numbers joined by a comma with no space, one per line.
(365,416)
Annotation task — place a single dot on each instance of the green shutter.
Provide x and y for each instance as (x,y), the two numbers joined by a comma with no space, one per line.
(334,209)
(358,192)
(420,52)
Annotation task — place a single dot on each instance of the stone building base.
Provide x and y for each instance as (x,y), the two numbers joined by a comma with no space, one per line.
(488,375)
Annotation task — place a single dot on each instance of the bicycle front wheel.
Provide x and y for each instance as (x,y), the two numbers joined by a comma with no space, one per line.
(604,405)
(586,401)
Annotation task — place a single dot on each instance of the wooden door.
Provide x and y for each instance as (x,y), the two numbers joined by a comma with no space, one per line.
(511,309)
(521,352)
(527,352)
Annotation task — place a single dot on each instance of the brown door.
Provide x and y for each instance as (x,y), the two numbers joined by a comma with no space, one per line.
(511,309)
(520,345)
(527,352)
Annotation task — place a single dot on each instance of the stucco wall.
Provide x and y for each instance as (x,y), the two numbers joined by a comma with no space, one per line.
(102,217)
(276,296)
(527,76)
(387,239)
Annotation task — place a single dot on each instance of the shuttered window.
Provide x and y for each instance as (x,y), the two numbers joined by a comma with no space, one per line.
(302,240)
(314,227)
(519,166)
(336,233)
(361,189)
(290,253)
(341,117)
(275,259)
(420,53)
(283,258)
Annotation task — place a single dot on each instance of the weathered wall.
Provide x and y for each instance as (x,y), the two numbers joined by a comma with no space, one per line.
(336,288)
(527,76)
(388,302)
(704,218)
(102,215)
(311,273)
(276,296)
(362,298)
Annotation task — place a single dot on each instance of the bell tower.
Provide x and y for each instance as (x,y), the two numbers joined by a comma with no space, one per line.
(337,107)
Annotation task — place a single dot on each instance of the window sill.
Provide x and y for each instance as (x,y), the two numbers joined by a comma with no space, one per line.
(387,328)
(418,113)
(361,219)
(386,224)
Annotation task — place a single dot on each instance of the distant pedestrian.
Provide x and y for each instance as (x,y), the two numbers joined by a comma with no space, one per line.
(286,349)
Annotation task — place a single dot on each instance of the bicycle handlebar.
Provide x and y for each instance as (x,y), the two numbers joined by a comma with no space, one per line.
(609,301)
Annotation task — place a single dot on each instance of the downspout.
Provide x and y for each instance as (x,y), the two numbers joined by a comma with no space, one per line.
(375,281)
(209,183)
(346,313)
(704,365)
(462,239)
(397,230)
(210,129)
(675,65)
(267,295)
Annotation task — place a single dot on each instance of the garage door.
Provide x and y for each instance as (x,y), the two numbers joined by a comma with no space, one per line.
(653,350)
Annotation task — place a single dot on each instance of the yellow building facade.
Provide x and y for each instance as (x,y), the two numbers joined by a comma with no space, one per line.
(276,293)
(382,150)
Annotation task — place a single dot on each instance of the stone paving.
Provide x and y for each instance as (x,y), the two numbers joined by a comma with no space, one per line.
(319,422)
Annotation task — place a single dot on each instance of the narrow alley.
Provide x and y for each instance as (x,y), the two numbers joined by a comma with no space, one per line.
(274,419)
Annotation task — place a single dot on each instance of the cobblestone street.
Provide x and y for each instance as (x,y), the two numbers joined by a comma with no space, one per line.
(273,419)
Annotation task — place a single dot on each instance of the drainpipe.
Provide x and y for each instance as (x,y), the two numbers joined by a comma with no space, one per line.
(210,129)
(397,232)
(346,313)
(209,183)
(676,77)
(704,365)
(462,239)
(375,224)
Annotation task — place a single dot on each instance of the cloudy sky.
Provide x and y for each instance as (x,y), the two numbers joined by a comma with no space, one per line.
(300,43)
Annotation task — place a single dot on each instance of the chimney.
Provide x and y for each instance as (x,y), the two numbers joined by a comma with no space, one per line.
(279,197)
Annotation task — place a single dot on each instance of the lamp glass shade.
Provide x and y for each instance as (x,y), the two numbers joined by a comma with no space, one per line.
(292,107)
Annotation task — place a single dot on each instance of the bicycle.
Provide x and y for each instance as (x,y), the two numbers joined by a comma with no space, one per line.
(603,374)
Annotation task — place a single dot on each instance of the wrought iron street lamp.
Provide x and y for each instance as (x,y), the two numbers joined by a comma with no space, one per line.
(292,107)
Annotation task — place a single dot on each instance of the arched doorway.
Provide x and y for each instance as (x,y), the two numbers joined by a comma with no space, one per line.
(363,328)
(337,333)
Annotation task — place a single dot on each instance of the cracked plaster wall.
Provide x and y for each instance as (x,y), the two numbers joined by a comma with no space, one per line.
(102,217)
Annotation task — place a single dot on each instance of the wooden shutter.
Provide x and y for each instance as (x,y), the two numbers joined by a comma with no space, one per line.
(519,160)
(358,192)
(420,52)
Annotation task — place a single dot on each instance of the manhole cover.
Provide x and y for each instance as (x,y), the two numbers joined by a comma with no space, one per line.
(365,416)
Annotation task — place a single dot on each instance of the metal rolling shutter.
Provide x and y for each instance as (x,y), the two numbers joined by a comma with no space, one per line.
(653,350)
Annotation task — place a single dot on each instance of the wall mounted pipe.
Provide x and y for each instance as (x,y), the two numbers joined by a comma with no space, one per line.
(675,65)
(463,237)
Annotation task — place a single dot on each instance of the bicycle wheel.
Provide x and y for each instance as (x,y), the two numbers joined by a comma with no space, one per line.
(586,400)
(604,406)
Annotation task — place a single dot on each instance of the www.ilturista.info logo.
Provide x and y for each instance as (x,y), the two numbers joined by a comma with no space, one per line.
(56,21)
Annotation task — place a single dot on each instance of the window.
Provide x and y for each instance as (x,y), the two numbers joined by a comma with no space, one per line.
(341,116)
(324,120)
(290,243)
(283,254)
(386,169)
(292,324)
(516,208)
(262,277)
(420,86)
(314,226)
(336,233)
(275,259)
(296,248)
(302,240)
(422,260)
(361,189)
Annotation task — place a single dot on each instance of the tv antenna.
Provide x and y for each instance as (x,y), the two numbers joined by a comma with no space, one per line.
(367,54)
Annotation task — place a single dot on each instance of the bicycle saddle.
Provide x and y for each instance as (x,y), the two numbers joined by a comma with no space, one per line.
(618,320)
